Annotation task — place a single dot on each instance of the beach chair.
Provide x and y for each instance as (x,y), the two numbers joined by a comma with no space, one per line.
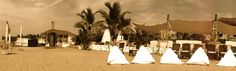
(121,47)
(222,50)
(176,48)
(185,52)
(153,46)
(162,46)
(134,51)
(196,46)
(233,48)
(131,48)
(211,51)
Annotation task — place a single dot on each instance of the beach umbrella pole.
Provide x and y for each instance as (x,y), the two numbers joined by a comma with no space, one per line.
(9,41)
(21,35)
(6,35)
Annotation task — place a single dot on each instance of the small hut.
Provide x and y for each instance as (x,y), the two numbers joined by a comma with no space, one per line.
(56,37)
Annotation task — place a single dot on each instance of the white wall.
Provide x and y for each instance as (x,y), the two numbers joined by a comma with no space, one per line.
(22,42)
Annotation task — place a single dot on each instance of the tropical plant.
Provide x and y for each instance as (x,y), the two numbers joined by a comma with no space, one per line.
(84,26)
(4,45)
(96,31)
(115,18)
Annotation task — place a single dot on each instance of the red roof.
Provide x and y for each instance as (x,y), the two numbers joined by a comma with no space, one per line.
(60,32)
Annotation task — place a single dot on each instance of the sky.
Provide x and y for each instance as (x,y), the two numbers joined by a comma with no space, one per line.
(35,15)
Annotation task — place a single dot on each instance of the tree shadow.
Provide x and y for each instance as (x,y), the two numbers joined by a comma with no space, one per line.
(11,53)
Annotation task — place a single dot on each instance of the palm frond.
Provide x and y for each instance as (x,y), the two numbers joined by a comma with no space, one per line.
(124,13)
(80,24)
(87,16)
(90,16)
(101,24)
(84,12)
(108,4)
(115,12)
(81,15)
(103,13)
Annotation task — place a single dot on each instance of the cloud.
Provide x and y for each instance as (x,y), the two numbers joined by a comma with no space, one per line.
(35,15)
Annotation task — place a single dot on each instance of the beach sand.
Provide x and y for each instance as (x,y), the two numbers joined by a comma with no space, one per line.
(71,59)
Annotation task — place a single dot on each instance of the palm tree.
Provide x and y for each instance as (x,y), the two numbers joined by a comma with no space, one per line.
(85,25)
(115,19)
(87,19)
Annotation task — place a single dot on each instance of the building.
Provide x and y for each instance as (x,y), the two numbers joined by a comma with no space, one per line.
(22,42)
(54,37)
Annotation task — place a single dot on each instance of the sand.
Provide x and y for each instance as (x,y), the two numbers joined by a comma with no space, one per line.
(71,59)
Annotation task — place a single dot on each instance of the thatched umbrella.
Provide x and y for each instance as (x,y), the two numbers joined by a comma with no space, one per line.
(195,27)
(152,29)
(226,28)
(230,21)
